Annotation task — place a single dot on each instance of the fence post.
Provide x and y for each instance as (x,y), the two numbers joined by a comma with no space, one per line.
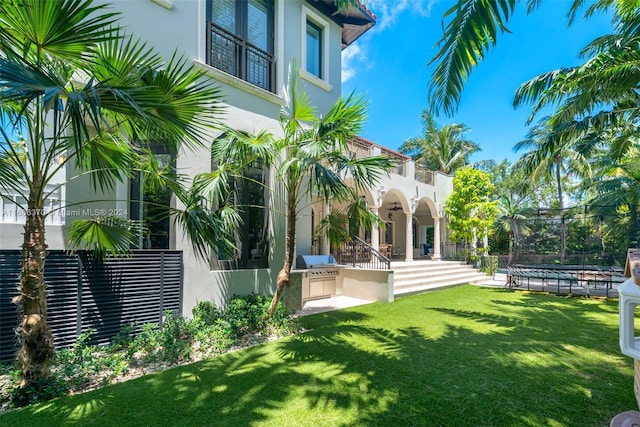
(79,297)
(161,304)
(181,298)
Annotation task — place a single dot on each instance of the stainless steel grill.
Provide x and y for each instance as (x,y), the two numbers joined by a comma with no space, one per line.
(319,280)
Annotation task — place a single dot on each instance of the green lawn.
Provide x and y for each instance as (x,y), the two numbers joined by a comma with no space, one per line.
(464,356)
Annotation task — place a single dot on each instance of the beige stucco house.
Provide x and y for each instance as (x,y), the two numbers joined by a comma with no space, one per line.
(246,46)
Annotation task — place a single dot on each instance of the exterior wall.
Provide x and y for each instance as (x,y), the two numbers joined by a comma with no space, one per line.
(372,285)
(180,26)
(247,108)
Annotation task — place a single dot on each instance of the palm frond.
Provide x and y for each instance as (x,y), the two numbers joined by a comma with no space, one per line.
(297,111)
(471,28)
(107,158)
(65,30)
(206,229)
(343,120)
(103,235)
(334,227)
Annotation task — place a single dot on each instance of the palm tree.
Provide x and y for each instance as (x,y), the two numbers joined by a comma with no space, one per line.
(510,219)
(88,99)
(340,226)
(311,157)
(552,156)
(617,186)
(472,27)
(609,78)
(443,149)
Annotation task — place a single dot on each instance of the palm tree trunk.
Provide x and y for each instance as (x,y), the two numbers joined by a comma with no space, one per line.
(510,248)
(283,276)
(34,335)
(563,228)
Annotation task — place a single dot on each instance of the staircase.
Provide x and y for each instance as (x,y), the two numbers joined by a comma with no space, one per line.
(421,276)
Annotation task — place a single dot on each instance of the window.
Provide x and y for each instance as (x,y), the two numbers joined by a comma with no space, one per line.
(151,205)
(249,196)
(314,50)
(240,40)
(388,233)
(13,205)
(315,32)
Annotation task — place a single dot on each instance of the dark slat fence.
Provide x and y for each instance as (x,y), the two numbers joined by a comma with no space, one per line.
(85,294)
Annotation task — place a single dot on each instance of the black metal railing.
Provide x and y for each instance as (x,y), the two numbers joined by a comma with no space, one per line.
(358,253)
(233,55)
(564,279)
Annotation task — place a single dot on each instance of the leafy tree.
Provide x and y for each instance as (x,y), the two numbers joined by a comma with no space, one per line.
(470,207)
(89,99)
(340,226)
(552,156)
(472,27)
(444,149)
(617,190)
(311,157)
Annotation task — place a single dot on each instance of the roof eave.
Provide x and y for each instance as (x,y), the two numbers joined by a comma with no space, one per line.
(355,20)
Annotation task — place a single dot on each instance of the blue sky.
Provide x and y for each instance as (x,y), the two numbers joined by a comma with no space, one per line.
(388,65)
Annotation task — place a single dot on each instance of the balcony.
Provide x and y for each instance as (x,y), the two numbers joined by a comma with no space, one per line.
(239,58)
(399,160)
(424,175)
(359,149)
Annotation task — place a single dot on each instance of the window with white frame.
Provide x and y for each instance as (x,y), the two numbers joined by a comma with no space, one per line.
(13,205)
(315,49)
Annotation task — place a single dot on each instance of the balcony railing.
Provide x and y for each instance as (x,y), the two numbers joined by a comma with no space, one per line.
(424,175)
(233,55)
(358,253)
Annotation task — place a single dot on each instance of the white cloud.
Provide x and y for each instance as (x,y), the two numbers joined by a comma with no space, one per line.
(352,57)
(388,12)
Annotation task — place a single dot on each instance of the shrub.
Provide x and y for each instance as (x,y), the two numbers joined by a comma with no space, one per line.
(175,337)
(39,391)
(148,341)
(206,312)
(214,339)
(212,330)
(124,338)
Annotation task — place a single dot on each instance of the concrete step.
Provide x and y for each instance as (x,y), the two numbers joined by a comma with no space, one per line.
(421,276)
(410,274)
(395,265)
(442,280)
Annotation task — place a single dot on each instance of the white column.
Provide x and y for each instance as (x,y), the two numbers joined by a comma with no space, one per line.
(375,233)
(408,256)
(326,247)
(485,241)
(436,239)
(474,242)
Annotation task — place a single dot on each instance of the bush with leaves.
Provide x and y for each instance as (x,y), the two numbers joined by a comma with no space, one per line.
(212,331)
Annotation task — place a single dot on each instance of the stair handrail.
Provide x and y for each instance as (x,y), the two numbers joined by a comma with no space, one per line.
(365,256)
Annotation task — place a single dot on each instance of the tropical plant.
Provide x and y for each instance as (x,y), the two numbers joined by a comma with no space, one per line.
(90,100)
(616,191)
(310,158)
(602,91)
(470,207)
(552,156)
(341,225)
(472,27)
(509,219)
(443,149)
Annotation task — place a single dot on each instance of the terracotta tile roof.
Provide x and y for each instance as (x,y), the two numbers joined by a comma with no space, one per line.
(365,141)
